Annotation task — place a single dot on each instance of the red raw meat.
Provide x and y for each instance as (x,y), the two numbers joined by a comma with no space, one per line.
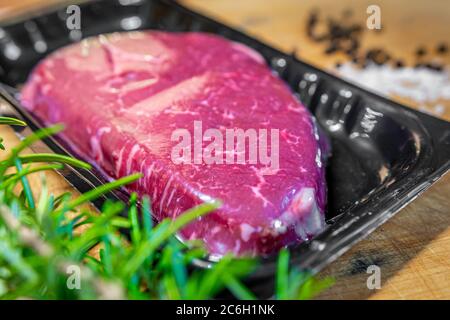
(122,96)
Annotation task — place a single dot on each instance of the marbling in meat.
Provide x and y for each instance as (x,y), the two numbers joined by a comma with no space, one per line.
(122,96)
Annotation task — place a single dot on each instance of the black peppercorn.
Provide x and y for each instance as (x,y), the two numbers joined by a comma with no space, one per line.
(331,48)
(399,64)
(421,51)
(419,65)
(433,66)
(442,48)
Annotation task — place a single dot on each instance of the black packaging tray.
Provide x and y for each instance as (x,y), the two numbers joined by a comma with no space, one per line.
(384,154)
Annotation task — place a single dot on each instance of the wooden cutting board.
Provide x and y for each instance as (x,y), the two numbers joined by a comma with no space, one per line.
(413,248)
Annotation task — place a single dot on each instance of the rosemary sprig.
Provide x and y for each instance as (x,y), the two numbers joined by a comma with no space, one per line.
(12,121)
(41,245)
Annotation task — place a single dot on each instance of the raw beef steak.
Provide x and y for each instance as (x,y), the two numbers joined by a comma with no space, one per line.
(131,103)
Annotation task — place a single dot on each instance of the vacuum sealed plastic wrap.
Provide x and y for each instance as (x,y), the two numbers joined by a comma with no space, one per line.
(202,118)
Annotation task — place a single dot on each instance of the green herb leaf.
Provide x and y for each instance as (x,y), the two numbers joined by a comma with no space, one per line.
(12,121)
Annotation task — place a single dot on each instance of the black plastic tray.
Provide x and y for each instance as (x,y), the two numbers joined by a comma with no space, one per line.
(384,154)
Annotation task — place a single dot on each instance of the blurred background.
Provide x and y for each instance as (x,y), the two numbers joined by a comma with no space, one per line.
(410,50)
(407,58)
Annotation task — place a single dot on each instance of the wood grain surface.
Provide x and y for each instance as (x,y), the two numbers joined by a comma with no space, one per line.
(413,248)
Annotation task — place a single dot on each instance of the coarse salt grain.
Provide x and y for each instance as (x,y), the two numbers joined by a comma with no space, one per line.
(422,85)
